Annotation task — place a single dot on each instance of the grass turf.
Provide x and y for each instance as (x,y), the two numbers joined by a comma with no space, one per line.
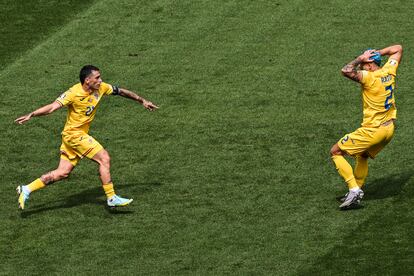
(232,174)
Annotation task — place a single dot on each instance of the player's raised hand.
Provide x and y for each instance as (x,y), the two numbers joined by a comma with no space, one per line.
(366,56)
(23,119)
(149,105)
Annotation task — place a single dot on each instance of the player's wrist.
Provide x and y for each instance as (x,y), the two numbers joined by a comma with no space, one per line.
(359,59)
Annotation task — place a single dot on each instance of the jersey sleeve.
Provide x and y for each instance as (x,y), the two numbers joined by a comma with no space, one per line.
(391,66)
(367,78)
(66,98)
(108,89)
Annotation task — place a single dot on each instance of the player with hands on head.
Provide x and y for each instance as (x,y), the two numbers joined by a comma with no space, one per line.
(379,115)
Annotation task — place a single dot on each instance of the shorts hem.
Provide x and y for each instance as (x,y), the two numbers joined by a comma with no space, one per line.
(74,162)
(340,147)
(92,152)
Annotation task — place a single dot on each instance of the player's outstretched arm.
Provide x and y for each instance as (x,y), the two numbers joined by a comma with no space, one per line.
(44,110)
(394,52)
(351,70)
(131,95)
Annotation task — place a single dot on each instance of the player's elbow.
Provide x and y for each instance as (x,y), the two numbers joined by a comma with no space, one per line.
(121,92)
(53,107)
(345,72)
(394,49)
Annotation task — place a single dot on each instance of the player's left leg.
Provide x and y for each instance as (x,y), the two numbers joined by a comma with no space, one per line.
(361,169)
(360,173)
(103,159)
(378,140)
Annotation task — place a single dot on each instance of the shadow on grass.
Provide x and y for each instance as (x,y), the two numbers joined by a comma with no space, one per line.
(90,196)
(356,207)
(380,245)
(386,187)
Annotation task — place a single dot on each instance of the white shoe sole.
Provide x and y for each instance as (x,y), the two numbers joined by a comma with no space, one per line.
(123,205)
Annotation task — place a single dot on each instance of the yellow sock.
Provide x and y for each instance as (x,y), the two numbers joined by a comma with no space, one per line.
(345,170)
(361,170)
(109,189)
(36,185)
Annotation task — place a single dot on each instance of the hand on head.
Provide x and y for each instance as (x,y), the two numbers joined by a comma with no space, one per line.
(367,55)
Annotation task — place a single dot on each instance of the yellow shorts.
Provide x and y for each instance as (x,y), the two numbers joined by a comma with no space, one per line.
(367,140)
(77,146)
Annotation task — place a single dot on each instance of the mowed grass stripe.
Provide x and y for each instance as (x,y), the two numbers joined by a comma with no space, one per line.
(27,23)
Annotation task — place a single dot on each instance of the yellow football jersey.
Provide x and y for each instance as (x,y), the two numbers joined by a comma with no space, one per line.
(81,106)
(378,94)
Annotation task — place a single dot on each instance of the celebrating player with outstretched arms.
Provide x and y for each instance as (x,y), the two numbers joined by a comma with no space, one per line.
(82,100)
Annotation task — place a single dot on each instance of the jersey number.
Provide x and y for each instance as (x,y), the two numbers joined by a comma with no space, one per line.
(386,104)
(89,110)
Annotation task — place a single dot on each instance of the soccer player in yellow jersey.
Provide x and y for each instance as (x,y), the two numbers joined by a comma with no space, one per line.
(380,113)
(82,100)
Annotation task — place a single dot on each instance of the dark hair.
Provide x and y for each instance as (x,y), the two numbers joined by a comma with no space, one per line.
(86,71)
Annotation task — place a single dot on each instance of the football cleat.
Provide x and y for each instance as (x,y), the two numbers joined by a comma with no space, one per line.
(117,201)
(352,200)
(341,199)
(23,196)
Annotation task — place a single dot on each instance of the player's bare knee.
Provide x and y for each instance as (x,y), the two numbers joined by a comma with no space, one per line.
(365,155)
(335,150)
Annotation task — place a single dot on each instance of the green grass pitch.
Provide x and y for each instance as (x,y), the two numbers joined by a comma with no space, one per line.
(232,174)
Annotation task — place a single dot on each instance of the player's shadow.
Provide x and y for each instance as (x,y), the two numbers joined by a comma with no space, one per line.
(386,187)
(90,196)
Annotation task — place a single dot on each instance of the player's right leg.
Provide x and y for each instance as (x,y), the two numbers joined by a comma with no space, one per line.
(62,171)
(87,146)
(360,173)
(355,194)
(343,167)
